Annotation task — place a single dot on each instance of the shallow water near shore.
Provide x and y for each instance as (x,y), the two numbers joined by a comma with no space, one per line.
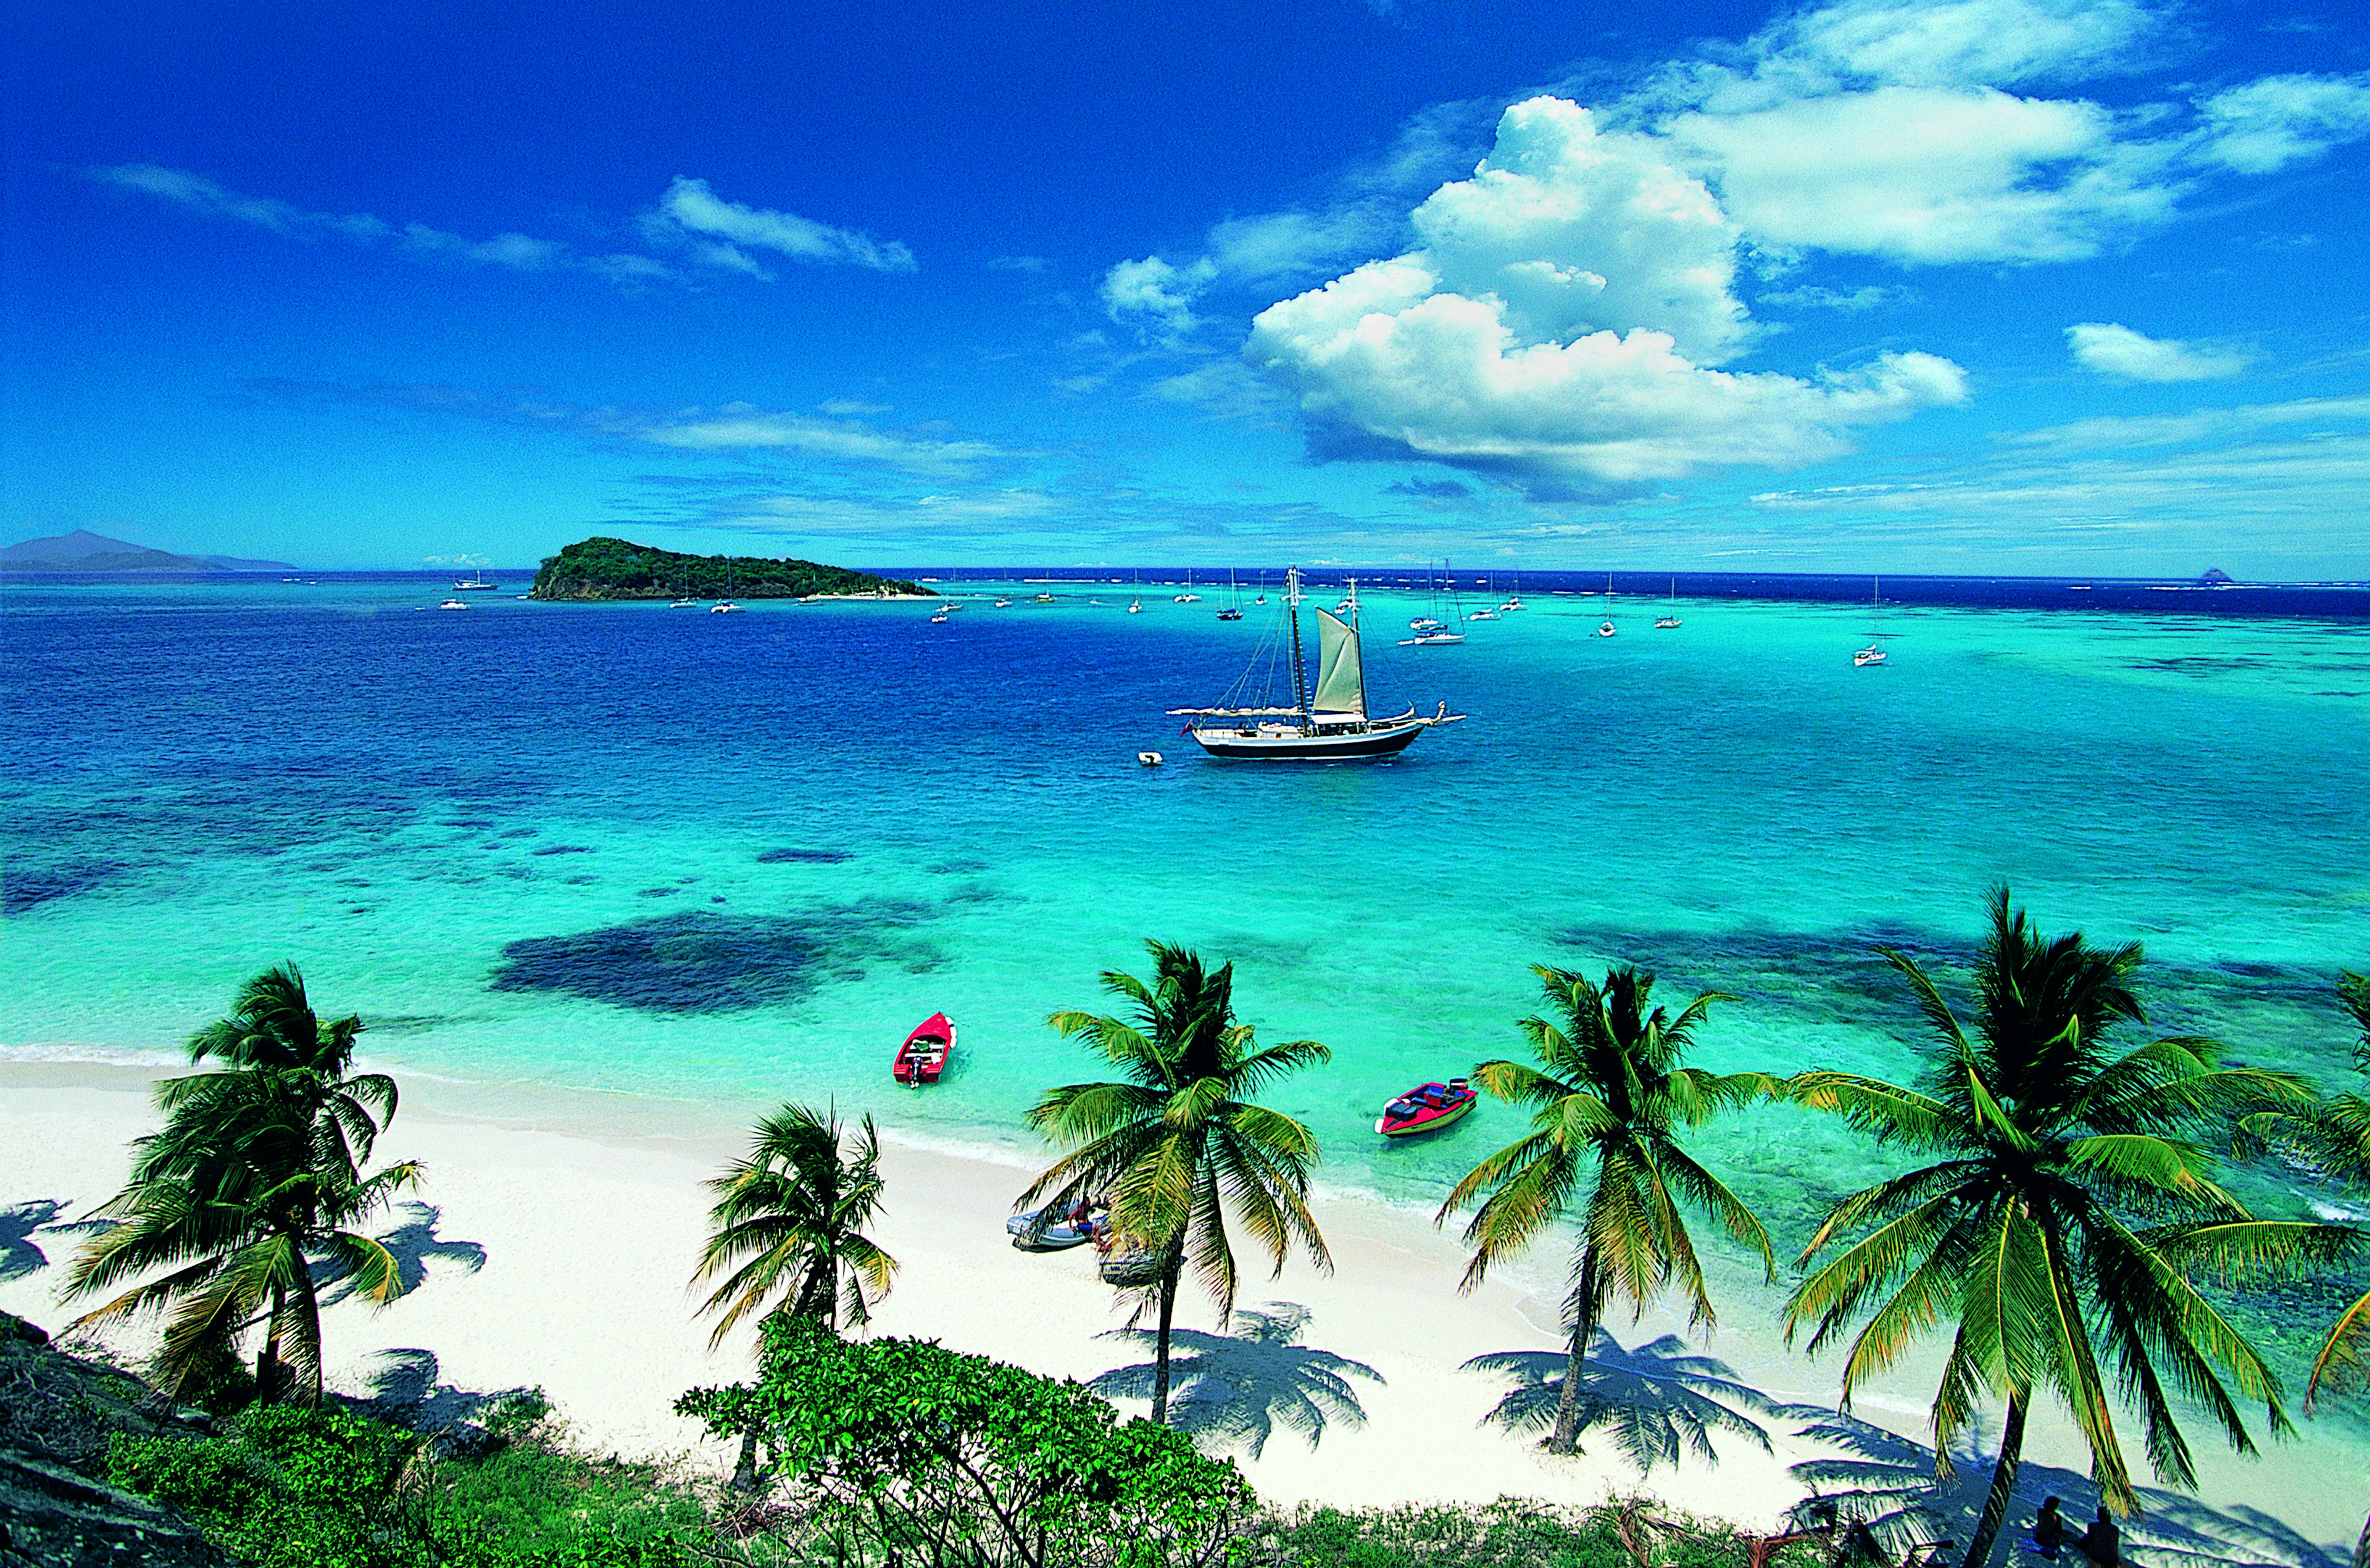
(732,859)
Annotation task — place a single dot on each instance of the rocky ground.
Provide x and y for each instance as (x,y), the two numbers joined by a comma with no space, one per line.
(57,1413)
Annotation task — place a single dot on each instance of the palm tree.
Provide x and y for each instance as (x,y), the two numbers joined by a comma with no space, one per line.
(2068,1192)
(272,1028)
(788,1227)
(1179,1140)
(1609,1106)
(254,1179)
(2331,1135)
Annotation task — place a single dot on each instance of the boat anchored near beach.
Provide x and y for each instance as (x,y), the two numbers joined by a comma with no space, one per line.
(924,1055)
(1329,722)
(1426,1109)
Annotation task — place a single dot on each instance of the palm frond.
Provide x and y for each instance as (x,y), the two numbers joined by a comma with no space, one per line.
(1886,1111)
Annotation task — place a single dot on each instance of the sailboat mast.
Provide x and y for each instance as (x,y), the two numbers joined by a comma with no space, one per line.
(1299,673)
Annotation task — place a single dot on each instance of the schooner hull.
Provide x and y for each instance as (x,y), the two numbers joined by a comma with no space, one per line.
(1291,745)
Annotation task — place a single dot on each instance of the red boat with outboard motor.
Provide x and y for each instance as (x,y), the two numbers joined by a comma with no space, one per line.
(1426,1109)
(924,1055)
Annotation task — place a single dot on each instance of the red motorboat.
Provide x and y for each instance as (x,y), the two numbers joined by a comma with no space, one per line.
(1426,1109)
(924,1055)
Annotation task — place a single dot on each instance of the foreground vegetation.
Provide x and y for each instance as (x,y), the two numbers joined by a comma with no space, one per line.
(615,569)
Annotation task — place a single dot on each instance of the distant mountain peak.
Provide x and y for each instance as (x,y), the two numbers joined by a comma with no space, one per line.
(83,551)
(2215,577)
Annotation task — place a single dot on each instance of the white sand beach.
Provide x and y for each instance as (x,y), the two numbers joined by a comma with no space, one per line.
(560,1231)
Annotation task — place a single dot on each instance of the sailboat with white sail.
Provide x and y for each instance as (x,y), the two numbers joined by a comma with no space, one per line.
(1874,652)
(1326,723)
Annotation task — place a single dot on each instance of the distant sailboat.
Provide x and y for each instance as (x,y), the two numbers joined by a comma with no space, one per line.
(1874,652)
(1485,613)
(1431,631)
(1606,629)
(1233,609)
(1188,595)
(1514,599)
(1328,723)
(1666,622)
(474,583)
(725,606)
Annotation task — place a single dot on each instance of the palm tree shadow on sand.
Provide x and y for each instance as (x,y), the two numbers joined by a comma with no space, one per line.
(1235,1390)
(20,1256)
(1656,1404)
(1888,1479)
(414,1243)
(402,1389)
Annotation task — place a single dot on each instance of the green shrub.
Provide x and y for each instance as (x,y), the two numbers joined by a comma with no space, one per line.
(290,1487)
(1508,1533)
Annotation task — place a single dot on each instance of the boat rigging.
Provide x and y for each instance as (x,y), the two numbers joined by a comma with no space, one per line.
(1329,722)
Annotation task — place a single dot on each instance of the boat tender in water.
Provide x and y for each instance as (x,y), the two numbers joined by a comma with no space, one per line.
(1426,1109)
(924,1055)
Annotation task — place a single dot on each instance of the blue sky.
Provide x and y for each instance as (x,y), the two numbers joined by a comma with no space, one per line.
(1982,285)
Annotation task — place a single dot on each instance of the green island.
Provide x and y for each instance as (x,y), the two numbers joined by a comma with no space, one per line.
(601,568)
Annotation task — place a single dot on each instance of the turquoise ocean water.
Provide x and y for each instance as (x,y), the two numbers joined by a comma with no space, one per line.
(735,858)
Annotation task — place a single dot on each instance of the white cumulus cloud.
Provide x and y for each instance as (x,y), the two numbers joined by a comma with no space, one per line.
(1564,315)
(1572,229)
(2111,348)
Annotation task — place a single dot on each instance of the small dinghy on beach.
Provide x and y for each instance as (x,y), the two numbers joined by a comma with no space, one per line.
(924,1055)
(1043,1230)
(1427,1109)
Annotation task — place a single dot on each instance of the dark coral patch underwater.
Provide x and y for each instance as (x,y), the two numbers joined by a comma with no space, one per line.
(700,961)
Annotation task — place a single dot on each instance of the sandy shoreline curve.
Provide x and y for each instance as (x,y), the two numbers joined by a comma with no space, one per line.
(560,1228)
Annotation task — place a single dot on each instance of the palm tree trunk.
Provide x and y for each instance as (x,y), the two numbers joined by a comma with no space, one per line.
(310,1323)
(1994,1514)
(2362,1547)
(1160,1353)
(1584,1329)
(267,1360)
(744,1472)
